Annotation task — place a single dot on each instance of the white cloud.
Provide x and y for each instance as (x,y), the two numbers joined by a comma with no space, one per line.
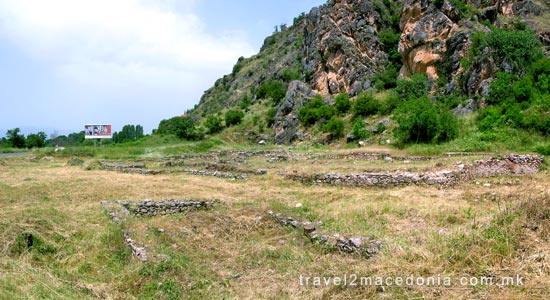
(110,43)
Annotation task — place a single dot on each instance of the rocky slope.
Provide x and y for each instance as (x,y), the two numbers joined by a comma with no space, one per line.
(341,46)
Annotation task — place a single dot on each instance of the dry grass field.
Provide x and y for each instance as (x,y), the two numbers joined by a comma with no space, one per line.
(58,243)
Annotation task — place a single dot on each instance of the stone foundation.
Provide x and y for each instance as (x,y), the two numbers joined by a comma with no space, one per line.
(165,207)
(508,165)
(363,246)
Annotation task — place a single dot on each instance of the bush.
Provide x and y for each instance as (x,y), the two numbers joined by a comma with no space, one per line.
(502,88)
(489,118)
(416,86)
(420,121)
(359,131)
(335,126)
(273,90)
(523,89)
(386,79)
(213,124)
(342,103)
(540,72)
(314,111)
(270,116)
(366,105)
(36,140)
(291,73)
(520,48)
(233,117)
(180,126)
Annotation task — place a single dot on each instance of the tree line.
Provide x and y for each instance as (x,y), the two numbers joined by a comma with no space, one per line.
(15,139)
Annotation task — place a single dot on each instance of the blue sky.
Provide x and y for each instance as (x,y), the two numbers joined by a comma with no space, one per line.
(66,63)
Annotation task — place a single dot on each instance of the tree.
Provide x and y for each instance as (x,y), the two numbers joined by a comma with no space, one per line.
(366,105)
(335,126)
(414,87)
(36,140)
(214,124)
(15,139)
(420,121)
(180,126)
(274,90)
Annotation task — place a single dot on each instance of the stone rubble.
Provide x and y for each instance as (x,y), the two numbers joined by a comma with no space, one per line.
(363,246)
(138,252)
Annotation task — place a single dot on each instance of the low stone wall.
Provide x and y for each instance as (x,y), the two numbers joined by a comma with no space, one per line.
(211,170)
(165,207)
(216,174)
(363,246)
(508,165)
(119,210)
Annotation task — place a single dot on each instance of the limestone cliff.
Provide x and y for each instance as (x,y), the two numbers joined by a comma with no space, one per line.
(340,47)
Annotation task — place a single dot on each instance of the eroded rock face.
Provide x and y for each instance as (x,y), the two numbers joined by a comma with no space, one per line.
(342,47)
(438,35)
(286,119)
(425,29)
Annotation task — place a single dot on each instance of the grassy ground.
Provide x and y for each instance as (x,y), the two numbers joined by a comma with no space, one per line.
(235,251)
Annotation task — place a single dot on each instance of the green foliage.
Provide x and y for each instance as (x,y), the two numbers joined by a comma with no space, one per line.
(15,139)
(543,150)
(416,86)
(501,88)
(315,110)
(420,121)
(519,48)
(335,126)
(36,140)
(387,79)
(359,130)
(213,124)
(73,139)
(390,40)
(233,117)
(180,126)
(540,73)
(245,102)
(465,11)
(366,105)
(523,89)
(274,90)
(342,103)
(128,133)
(270,116)
(389,104)
(291,73)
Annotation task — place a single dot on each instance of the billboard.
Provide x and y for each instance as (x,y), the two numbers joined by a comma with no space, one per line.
(97,131)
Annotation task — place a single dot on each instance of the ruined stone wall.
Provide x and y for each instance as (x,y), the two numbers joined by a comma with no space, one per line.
(509,165)
(360,245)
(164,207)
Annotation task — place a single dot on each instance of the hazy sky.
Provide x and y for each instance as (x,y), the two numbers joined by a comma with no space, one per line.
(65,63)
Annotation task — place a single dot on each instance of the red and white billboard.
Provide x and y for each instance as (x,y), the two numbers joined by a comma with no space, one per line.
(97,131)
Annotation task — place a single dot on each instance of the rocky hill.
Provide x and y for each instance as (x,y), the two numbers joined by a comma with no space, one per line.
(351,46)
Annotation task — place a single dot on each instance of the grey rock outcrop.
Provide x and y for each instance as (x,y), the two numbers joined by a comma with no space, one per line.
(286,119)
(342,46)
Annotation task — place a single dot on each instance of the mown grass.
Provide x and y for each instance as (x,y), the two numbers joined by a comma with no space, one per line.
(236,251)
